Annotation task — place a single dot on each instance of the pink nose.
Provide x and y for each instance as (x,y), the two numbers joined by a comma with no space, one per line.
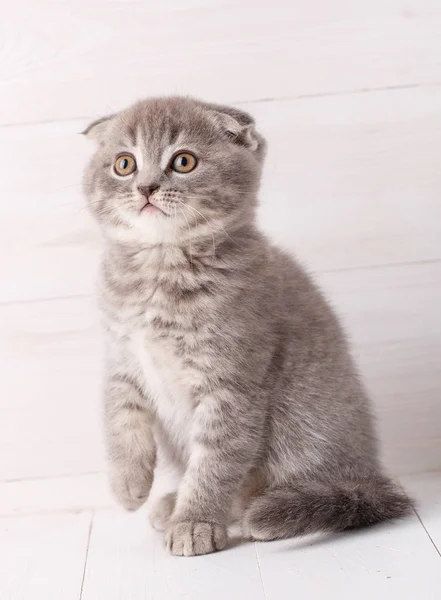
(148,190)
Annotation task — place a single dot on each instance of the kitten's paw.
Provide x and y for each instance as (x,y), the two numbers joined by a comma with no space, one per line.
(131,489)
(161,511)
(189,538)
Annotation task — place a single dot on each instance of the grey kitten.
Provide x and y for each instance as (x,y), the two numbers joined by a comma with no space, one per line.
(224,359)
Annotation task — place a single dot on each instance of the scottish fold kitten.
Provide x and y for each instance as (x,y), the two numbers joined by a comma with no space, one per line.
(224,359)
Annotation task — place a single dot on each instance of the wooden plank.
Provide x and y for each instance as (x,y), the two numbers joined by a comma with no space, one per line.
(50,379)
(63,60)
(49,244)
(51,365)
(127,559)
(392,321)
(397,562)
(43,558)
(350,181)
(353,181)
(426,489)
(43,495)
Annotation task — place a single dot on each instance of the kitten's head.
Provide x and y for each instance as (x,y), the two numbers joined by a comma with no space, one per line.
(167,168)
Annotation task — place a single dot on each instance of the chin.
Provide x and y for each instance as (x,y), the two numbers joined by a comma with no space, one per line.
(146,228)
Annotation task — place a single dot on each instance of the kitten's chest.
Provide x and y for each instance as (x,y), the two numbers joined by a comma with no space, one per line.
(167,381)
(160,335)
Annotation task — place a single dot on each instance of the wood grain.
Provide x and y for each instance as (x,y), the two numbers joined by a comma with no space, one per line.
(348,95)
(350,181)
(51,360)
(392,321)
(69,59)
(50,379)
(49,495)
(43,558)
(426,489)
(384,562)
(127,559)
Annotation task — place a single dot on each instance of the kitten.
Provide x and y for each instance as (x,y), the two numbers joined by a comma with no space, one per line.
(224,359)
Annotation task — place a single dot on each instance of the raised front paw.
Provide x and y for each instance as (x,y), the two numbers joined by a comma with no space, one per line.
(189,538)
(131,488)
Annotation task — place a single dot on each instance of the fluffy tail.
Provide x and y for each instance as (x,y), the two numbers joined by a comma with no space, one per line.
(311,506)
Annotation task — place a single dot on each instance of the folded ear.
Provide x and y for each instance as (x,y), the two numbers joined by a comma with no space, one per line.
(240,116)
(242,134)
(96,131)
(237,124)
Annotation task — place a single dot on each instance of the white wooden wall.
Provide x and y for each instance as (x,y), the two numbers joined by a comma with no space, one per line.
(348,94)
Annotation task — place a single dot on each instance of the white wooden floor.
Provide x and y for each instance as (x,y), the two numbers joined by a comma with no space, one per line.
(348,94)
(105,554)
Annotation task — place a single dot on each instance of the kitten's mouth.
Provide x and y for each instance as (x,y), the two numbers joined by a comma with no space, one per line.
(150,208)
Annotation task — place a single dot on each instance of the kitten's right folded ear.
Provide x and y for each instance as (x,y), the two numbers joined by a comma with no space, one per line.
(96,131)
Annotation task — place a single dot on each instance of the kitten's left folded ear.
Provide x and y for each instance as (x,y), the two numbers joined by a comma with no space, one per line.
(96,131)
(237,125)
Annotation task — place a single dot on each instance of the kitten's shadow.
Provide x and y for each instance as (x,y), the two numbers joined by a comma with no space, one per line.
(235,541)
(322,539)
(296,544)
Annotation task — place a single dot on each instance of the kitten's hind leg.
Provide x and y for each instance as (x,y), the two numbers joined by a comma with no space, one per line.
(309,506)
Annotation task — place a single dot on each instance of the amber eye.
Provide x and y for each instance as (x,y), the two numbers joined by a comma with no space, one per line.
(125,164)
(184,162)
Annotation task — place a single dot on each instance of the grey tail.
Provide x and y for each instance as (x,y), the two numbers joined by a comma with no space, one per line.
(308,506)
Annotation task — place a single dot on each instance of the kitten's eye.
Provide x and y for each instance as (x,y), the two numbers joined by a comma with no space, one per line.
(184,162)
(125,164)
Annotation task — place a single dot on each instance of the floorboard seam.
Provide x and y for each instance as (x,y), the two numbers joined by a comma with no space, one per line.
(87,554)
(259,569)
(428,534)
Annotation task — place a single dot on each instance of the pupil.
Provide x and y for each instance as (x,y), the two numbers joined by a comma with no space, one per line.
(184,162)
(124,163)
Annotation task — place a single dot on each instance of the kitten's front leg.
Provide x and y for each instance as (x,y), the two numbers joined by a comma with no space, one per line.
(225,441)
(168,474)
(130,443)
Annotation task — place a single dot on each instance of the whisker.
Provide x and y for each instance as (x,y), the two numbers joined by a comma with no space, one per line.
(189,231)
(217,224)
(212,234)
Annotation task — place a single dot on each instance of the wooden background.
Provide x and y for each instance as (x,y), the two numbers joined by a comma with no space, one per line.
(349,96)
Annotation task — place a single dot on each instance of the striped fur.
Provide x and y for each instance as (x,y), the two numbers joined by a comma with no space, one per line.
(223,357)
